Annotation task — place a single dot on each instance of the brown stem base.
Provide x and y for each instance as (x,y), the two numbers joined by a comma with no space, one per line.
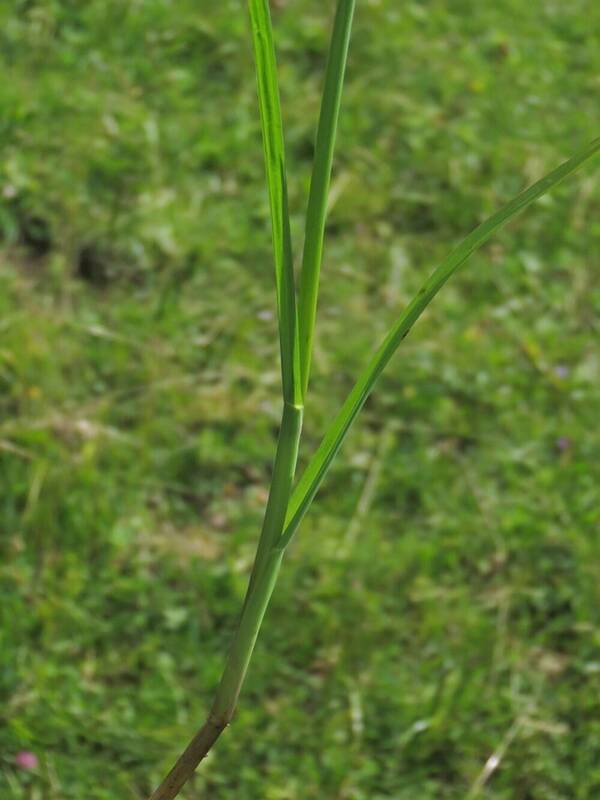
(189,760)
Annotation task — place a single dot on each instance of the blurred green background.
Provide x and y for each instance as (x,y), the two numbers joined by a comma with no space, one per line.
(441,603)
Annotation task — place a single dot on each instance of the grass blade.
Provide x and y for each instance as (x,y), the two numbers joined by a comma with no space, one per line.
(319,184)
(272,131)
(316,470)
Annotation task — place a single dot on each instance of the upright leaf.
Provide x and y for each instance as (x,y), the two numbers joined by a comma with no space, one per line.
(319,185)
(272,132)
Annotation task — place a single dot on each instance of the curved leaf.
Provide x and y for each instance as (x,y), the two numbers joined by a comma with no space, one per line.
(316,470)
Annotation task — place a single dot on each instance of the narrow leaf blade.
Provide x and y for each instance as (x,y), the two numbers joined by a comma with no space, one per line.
(272,131)
(319,184)
(317,468)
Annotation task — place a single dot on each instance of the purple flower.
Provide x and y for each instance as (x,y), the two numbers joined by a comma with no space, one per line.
(563,443)
(561,371)
(25,759)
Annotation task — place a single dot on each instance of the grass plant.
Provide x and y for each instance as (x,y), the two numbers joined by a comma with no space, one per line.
(296,311)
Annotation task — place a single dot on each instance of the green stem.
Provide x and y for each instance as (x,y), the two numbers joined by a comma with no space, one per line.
(262,582)
(245,639)
(284,469)
(227,694)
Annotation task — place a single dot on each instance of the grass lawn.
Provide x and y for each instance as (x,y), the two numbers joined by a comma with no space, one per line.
(436,631)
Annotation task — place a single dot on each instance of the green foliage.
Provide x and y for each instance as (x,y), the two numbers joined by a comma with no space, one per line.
(403,648)
(336,432)
(318,197)
(270,112)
